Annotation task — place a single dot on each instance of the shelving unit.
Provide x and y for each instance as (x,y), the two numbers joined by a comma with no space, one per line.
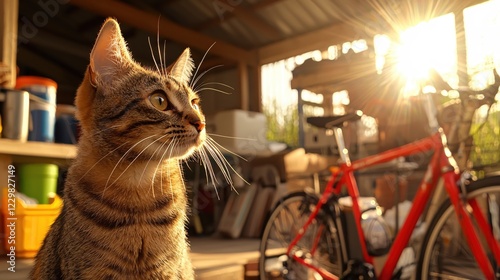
(45,151)
(12,151)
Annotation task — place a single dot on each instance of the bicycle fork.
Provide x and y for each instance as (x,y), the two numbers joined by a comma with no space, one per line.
(301,258)
(464,209)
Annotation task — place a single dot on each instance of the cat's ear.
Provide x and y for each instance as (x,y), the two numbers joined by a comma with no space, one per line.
(183,67)
(110,53)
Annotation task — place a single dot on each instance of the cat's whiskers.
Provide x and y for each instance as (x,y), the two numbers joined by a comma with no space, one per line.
(229,151)
(175,141)
(151,157)
(162,63)
(213,89)
(164,57)
(169,147)
(211,83)
(209,171)
(122,158)
(105,129)
(153,56)
(221,161)
(136,157)
(102,158)
(193,81)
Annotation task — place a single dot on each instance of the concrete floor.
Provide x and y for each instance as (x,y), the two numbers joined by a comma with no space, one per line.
(213,258)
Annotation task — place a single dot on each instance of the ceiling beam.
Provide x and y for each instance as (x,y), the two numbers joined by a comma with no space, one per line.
(148,22)
(316,40)
(346,31)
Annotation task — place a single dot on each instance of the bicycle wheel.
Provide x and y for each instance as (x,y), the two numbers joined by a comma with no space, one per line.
(445,253)
(284,223)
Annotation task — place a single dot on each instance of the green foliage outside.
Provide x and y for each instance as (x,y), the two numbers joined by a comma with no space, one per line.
(283,123)
(486,150)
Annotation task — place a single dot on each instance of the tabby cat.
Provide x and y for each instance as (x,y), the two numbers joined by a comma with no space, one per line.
(124,213)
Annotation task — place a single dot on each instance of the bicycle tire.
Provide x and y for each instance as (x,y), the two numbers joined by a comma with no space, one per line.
(444,253)
(284,222)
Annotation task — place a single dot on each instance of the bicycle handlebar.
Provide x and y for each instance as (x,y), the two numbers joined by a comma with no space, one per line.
(487,94)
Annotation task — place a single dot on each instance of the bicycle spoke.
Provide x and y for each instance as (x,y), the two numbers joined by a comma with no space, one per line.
(445,251)
(318,248)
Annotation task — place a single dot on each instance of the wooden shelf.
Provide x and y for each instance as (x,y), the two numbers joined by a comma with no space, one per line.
(37,151)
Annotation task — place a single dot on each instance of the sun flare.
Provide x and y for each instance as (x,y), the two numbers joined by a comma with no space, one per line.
(428,45)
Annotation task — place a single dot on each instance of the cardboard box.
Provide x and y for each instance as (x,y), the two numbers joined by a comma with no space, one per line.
(297,162)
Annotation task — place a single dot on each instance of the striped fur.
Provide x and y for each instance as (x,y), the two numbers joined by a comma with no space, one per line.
(125,204)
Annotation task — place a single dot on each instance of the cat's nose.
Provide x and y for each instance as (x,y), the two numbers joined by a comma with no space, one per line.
(199,125)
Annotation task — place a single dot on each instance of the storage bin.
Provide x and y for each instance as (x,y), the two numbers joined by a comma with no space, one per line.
(42,106)
(243,132)
(31,224)
(38,180)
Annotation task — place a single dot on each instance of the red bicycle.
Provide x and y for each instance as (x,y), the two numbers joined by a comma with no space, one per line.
(311,236)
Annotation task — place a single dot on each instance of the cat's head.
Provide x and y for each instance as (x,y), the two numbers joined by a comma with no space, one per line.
(154,111)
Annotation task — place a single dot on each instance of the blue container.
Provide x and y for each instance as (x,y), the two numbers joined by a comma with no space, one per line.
(42,106)
(66,129)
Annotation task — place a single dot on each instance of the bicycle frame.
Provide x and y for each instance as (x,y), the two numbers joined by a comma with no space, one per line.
(442,166)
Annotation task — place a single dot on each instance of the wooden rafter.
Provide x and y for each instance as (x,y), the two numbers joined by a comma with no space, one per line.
(148,22)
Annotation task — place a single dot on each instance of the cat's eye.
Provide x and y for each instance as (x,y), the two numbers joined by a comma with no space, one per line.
(159,100)
(195,103)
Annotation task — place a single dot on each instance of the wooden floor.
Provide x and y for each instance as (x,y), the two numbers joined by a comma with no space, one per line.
(214,258)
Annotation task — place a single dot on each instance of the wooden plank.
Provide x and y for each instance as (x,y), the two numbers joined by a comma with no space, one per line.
(37,149)
(149,22)
(8,40)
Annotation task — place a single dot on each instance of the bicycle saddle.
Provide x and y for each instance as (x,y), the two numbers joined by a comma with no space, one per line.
(330,122)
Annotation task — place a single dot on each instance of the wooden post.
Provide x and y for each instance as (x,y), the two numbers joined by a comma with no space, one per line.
(256,88)
(243,76)
(300,103)
(9,10)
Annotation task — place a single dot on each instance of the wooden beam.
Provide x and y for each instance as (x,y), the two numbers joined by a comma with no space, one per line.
(8,41)
(149,22)
(316,40)
(342,32)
